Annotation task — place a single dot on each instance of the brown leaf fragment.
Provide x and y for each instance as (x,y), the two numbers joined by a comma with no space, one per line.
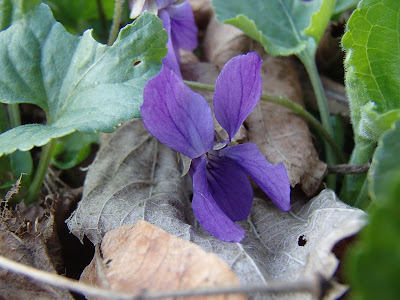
(27,245)
(222,42)
(281,135)
(202,11)
(144,257)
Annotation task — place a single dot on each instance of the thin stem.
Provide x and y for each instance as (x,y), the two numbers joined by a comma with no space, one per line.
(14,114)
(44,162)
(116,22)
(309,63)
(311,286)
(102,18)
(349,169)
(288,104)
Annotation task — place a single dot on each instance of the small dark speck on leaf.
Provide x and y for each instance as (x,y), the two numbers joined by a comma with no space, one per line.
(136,63)
(302,241)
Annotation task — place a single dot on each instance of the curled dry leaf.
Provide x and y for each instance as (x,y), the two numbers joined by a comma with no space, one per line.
(280,134)
(222,42)
(135,178)
(202,11)
(28,243)
(144,257)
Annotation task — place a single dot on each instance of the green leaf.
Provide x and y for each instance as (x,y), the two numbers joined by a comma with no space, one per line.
(80,84)
(372,265)
(343,5)
(372,81)
(73,149)
(5,14)
(320,19)
(385,164)
(281,26)
(11,10)
(372,61)
(79,15)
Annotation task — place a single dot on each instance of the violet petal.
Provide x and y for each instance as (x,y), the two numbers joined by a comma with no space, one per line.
(237,91)
(206,210)
(272,179)
(170,60)
(229,186)
(183,26)
(164,3)
(177,116)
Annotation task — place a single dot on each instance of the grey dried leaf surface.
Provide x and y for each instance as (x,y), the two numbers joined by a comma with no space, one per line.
(135,178)
(29,243)
(280,134)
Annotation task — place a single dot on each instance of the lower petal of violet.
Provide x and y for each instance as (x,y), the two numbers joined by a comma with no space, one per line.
(272,179)
(206,210)
(230,186)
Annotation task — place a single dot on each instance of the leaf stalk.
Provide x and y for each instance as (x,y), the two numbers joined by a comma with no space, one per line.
(44,162)
(116,22)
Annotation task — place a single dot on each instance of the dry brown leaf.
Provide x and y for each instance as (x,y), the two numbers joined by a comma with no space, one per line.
(280,134)
(222,42)
(27,243)
(202,11)
(144,257)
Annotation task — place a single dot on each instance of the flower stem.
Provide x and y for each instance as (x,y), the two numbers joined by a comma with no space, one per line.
(116,22)
(308,60)
(290,105)
(14,114)
(44,162)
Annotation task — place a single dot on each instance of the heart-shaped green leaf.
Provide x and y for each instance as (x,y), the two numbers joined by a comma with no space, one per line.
(373,60)
(279,25)
(372,81)
(80,84)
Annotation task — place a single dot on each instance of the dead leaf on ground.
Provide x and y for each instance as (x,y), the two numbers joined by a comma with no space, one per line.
(144,257)
(281,135)
(202,11)
(222,42)
(28,242)
(135,178)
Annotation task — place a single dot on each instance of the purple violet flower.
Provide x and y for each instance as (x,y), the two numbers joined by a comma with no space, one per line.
(182,119)
(178,21)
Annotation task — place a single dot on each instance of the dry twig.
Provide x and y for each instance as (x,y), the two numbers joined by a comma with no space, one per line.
(308,286)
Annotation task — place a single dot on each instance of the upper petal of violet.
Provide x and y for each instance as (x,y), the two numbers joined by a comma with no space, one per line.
(177,116)
(237,91)
(272,179)
(171,60)
(183,26)
(207,211)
